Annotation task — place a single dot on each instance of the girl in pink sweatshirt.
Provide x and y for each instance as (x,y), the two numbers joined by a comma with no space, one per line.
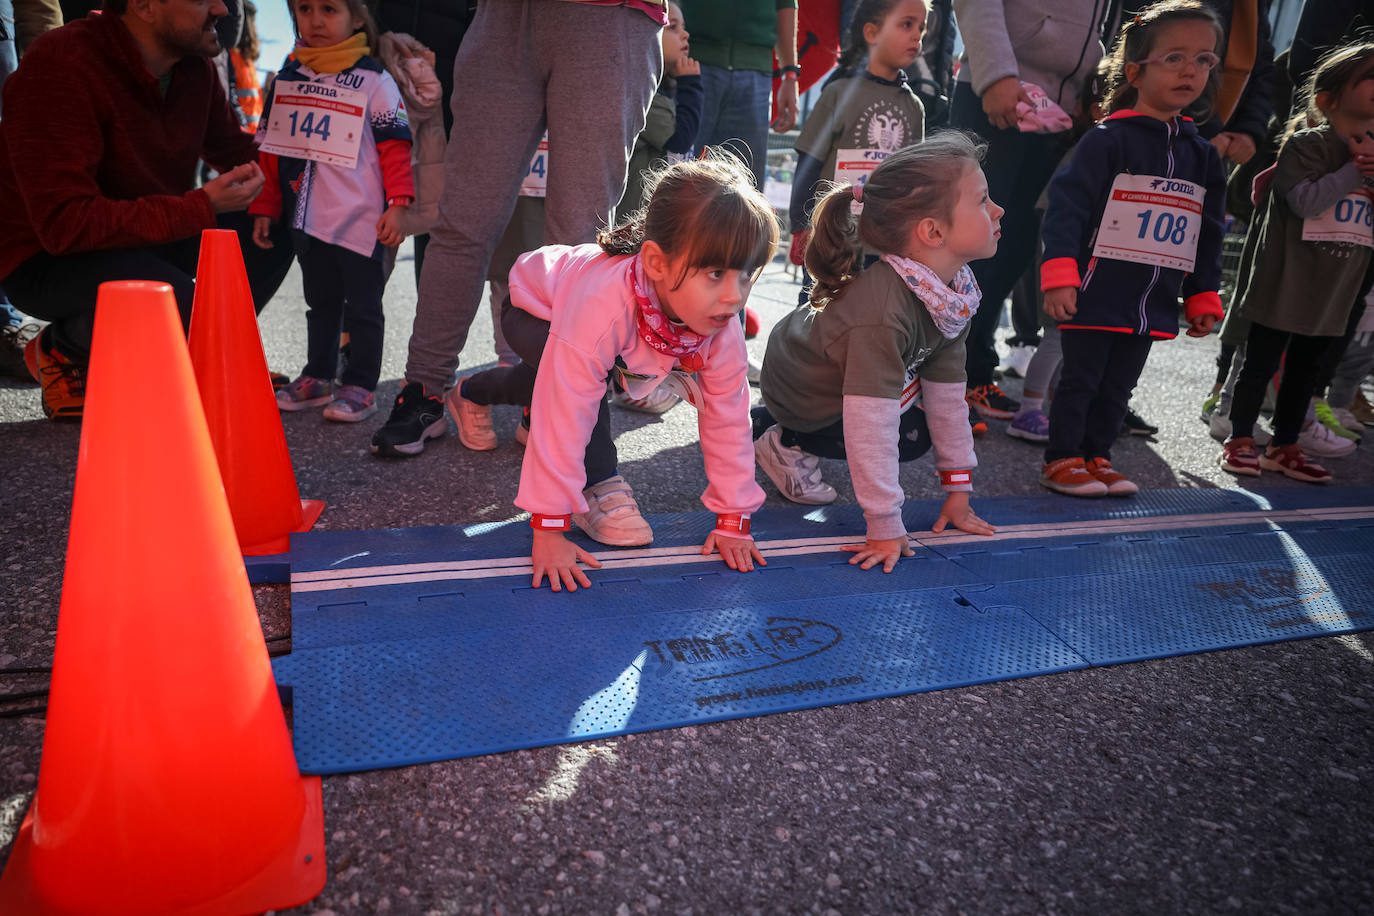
(654,302)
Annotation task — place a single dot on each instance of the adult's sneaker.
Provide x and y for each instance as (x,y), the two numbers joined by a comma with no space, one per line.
(1018,358)
(1319,440)
(1291,462)
(1136,425)
(14,338)
(989,401)
(1219,425)
(473,421)
(415,417)
(977,424)
(612,515)
(1031,425)
(1361,409)
(796,473)
(1071,477)
(63,381)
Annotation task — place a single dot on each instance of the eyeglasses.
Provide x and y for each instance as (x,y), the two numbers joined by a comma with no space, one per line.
(1177,60)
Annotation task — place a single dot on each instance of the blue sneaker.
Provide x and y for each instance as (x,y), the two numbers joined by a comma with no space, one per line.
(1031,425)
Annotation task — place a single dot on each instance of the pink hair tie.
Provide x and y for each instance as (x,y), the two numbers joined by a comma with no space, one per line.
(858,191)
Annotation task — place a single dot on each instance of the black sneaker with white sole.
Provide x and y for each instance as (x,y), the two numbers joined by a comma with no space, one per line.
(416,416)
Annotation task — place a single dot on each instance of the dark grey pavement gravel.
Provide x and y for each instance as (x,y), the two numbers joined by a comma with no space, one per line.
(1230,781)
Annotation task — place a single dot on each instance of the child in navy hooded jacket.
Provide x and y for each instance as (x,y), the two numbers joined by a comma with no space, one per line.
(1134,219)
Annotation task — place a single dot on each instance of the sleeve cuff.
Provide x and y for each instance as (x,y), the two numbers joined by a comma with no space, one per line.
(957,481)
(1203,304)
(885,527)
(1058,272)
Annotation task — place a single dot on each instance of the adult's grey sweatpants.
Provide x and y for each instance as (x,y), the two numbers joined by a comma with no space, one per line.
(585,72)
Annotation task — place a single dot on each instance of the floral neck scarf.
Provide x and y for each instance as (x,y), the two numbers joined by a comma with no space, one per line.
(655,327)
(950,309)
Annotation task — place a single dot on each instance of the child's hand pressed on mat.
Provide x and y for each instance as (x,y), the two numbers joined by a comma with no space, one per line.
(557,557)
(738,553)
(956,511)
(1061,303)
(886,551)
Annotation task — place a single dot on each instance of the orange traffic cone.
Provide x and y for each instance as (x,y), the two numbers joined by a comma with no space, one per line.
(240,407)
(167,783)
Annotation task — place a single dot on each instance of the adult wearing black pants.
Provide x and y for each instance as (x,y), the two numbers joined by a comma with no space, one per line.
(1053,44)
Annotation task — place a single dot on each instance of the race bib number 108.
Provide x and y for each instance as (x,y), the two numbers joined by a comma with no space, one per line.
(1151,220)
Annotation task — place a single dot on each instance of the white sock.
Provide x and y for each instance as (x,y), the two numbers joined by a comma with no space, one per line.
(1028,403)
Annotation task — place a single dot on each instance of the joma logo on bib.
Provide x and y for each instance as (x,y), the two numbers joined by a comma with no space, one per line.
(1165,185)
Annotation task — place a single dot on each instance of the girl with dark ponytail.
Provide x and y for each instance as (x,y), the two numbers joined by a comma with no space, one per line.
(842,375)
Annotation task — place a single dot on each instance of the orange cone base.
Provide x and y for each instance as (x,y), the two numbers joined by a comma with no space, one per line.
(297,874)
(310,514)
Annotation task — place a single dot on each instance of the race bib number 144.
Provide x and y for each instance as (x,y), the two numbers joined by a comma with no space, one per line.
(314,121)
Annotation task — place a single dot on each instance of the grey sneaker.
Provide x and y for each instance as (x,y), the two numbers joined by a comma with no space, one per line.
(796,474)
(473,420)
(612,515)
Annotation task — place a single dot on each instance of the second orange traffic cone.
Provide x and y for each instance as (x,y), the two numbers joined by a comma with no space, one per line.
(240,408)
(167,783)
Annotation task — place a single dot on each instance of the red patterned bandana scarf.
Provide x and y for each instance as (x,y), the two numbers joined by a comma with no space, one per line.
(655,328)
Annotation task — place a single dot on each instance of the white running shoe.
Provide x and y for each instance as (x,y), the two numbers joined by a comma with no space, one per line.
(1316,439)
(473,420)
(755,372)
(796,474)
(660,400)
(1219,425)
(684,386)
(1018,358)
(1348,420)
(612,515)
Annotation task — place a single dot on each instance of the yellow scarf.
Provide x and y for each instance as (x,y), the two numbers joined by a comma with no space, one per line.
(334,58)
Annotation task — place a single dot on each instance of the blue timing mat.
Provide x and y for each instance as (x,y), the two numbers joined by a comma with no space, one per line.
(415,645)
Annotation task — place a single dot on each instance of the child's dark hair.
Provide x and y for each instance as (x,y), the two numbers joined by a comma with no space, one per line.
(856,46)
(913,183)
(1136,42)
(705,211)
(355,7)
(1329,78)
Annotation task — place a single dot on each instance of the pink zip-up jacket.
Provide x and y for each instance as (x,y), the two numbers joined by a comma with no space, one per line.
(587,296)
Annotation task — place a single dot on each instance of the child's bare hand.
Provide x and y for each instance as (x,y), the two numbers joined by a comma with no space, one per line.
(956,511)
(886,551)
(1061,303)
(557,557)
(262,226)
(389,226)
(686,66)
(1201,325)
(1362,153)
(738,553)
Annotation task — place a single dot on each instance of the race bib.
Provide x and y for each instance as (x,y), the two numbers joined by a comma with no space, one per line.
(536,183)
(1349,220)
(314,121)
(1151,220)
(853,166)
(911,387)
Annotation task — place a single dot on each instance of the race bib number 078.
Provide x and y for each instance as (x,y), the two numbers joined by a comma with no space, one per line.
(1151,220)
(1349,220)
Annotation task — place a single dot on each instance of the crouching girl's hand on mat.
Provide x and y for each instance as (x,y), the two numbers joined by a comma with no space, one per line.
(886,551)
(956,511)
(738,553)
(557,557)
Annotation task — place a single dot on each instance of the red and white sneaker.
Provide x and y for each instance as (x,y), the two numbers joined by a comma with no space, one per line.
(1071,477)
(1118,484)
(1291,462)
(1239,457)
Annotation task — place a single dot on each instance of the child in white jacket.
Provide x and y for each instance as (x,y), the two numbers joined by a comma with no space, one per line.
(655,302)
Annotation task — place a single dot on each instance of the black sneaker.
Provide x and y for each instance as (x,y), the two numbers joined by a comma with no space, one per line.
(1136,426)
(977,423)
(13,339)
(990,402)
(416,417)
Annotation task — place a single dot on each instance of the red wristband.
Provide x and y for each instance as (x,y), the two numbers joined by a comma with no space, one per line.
(551,522)
(733,523)
(956,478)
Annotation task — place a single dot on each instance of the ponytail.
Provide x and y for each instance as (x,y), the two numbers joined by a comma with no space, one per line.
(833,253)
